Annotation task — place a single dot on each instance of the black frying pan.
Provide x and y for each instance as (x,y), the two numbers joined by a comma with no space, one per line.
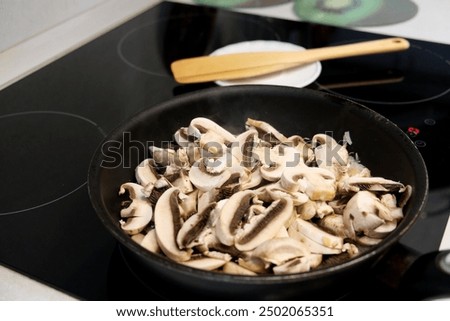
(381,146)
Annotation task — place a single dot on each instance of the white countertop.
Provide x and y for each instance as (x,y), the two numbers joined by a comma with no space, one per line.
(432,23)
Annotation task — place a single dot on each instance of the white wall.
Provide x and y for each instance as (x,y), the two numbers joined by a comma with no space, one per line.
(22,19)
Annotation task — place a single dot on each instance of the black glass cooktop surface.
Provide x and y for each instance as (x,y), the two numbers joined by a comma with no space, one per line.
(52,121)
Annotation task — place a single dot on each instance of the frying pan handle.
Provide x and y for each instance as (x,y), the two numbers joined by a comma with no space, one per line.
(416,276)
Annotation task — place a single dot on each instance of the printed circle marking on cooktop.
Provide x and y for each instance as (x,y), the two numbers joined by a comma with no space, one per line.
(412,76)
(45,157)
(152,47)
(241,3)
(356,13)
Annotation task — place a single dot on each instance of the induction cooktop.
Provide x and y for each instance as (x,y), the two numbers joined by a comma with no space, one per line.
(53,120)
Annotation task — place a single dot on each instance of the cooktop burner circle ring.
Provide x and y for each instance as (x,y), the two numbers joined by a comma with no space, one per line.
(53,148)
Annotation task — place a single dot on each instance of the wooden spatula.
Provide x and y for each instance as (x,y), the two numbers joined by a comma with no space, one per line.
(251,64)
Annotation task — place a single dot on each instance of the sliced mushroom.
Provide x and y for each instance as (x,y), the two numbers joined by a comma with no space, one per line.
(150,242)
(279,158)
(318,183)
(146,173)
(374,184)
(264,226)
(168,224)
(279,250)
(209,173)
(328,151)
(330,154)
(243,149)
(232,215)
(138,213)
(179,177)
(315,234)
(204,263)
(233,268)
(188,204)
(253,263)
(383,230)
(299,265)
(361,215)
(333,223)
(266,131)
(205,125)
(187,236)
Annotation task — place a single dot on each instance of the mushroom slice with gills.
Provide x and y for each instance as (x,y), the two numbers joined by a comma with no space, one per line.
(232,215)
(266,132)
(279,158)
(230,187)
(209,173)
(298,265)
(204,263)
(233,268)
(167,225)
(243,147)
(188,235)
(308,232)
(362,214)
(279,250)
(318,183)
(329,154)
(264,226)
(373,184)
(138,213)
(160,186)
(145,172)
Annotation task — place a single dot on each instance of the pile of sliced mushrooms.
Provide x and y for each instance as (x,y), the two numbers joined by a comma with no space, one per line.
(257,202)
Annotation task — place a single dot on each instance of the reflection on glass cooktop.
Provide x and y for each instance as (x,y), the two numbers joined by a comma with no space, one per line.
(53,120)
